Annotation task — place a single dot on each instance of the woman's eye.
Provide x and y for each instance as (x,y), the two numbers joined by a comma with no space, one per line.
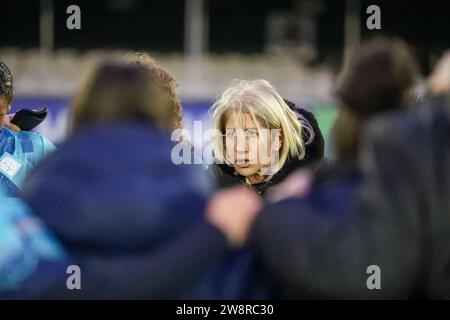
(251,133)
(229,133)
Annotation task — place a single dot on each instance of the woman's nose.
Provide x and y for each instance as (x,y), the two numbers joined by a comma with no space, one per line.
(241,144)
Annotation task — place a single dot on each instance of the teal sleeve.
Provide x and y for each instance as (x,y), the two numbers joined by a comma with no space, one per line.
(48,146)
(42,147)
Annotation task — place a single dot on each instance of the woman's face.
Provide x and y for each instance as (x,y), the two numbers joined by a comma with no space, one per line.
(248,144)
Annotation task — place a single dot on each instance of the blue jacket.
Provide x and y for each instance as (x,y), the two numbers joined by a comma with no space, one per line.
(131,220)
(134,220)
(19,152)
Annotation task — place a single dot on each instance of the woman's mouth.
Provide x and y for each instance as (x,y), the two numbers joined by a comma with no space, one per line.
(243,163)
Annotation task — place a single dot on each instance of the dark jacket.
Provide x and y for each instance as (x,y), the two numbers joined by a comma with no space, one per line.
(130,218)
(392,212)
(225,177)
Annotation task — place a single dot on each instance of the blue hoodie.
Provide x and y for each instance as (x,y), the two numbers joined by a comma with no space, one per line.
(114,199)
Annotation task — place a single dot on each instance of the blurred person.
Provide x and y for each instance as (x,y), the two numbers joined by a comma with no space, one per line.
(390,87)
(379,77)
(260,138)
(113,198)
(19,150)
(169,83)
(385,205)
(118,206)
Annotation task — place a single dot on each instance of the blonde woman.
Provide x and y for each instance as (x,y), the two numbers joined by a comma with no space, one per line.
(260,137)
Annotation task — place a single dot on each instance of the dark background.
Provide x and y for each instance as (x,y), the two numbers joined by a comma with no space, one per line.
(235,25)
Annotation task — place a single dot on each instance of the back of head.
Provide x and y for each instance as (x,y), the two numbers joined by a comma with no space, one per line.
(378,75)
(120,92)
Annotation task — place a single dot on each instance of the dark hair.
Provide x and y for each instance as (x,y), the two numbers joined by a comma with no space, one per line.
(117,92)
(6,83)
(378,76)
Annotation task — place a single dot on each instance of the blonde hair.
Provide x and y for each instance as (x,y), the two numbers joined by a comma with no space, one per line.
(260,99)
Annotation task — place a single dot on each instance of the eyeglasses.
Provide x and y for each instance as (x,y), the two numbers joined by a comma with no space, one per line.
(248,133)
